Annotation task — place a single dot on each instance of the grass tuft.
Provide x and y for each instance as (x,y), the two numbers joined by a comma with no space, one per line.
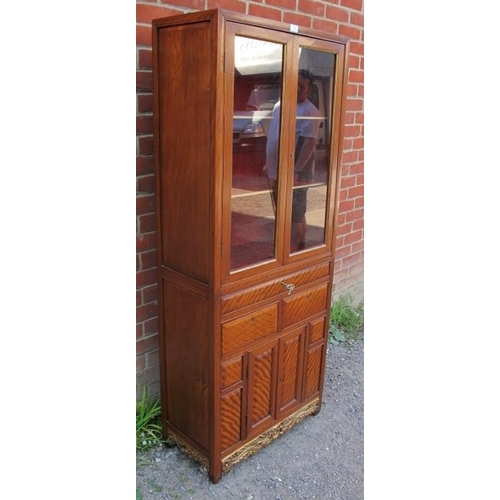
(148,423)
(346,321)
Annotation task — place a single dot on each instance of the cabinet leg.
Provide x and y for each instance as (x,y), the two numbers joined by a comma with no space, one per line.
(215,473)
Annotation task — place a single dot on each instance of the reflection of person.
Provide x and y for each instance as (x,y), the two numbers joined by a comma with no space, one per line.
(306,132)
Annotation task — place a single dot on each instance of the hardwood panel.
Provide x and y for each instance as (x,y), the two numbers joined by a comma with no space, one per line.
(317,330)
(230,427)
(243,331)
(299,307)
(185,104)
(313,371)
(186,359)
(261,384)
(290,370)
(231,372)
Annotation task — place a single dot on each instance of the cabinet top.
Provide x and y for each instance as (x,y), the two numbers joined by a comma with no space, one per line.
(224,15)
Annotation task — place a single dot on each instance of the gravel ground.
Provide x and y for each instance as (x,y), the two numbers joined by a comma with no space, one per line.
(320,458)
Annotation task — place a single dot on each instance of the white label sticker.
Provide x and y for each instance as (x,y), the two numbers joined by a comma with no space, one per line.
(294,28)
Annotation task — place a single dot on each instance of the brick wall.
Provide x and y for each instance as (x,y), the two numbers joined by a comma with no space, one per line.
(342,17)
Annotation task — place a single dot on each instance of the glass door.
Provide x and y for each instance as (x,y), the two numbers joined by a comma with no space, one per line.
(257,91)
(311,168)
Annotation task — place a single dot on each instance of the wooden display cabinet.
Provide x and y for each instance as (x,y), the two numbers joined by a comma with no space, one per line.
(243,307)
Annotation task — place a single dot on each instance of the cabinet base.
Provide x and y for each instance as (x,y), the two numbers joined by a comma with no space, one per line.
(252,446)
(268,436)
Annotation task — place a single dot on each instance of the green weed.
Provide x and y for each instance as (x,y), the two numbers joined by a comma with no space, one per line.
(148,423)
(346,321)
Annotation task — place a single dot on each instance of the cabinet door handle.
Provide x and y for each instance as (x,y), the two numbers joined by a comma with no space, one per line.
(289,287)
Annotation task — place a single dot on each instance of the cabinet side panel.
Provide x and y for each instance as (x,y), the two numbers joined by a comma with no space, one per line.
(185,147)
(186,359)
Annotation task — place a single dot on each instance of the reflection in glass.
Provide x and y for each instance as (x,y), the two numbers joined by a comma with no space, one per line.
(312,146)
(257,88)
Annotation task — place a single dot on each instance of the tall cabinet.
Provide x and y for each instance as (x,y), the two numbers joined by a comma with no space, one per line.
(246,222)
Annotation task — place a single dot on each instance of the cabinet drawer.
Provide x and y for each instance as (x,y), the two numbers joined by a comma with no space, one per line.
(240,332)
(238,300)
(299,307)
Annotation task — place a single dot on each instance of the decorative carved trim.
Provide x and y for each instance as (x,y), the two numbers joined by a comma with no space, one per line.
(189,450)
(268,436)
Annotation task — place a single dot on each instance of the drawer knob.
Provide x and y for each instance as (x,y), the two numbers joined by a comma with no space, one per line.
(288,286)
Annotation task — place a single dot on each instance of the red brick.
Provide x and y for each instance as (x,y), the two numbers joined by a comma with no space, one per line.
(353,237)
(148,260)
(352,4)
(354,61)
(350,32)
(328,26)
(146,278)
(357,48)
(283,4)
(234,5)
(359,202)
(145,59)
(145,242)
(153,358)
(264,12)
(147,223)
(346,206)
(356,191)
(144,124)
(151,326)
(344,229)
(359,224)
(140,363)
(146,184)
(311,7)
(143,35)
(145,103)
(191,4)
(354,104)
(354,215)
(337,13)
(360,117)
(293,18)
(356,76)
(146,145)
(356,168)
(352,90)
(347,182)
(146,345)
(358,247)
(357,18)
(349,118)
(349,156)
(150,293)
(352,131)
(146,13)
(350,260)
(146,311)
(144,80)
(144,165)
(145,204)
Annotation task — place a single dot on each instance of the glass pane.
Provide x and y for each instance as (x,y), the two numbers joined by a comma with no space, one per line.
(312,146)
(257,88)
